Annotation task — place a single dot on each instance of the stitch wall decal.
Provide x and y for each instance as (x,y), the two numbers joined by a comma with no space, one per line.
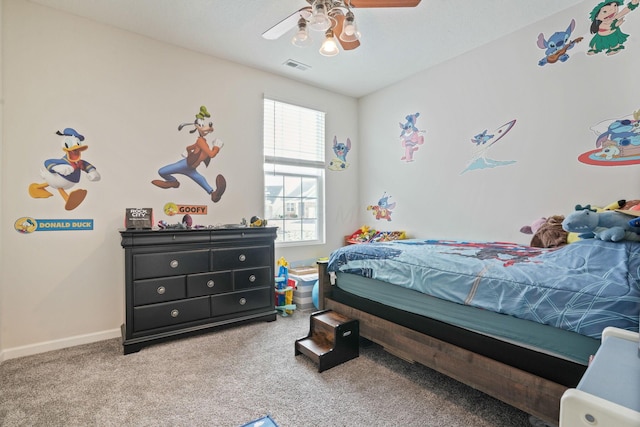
(198,153)
(340,149)
(617,142)
(411,138)
(483,142)
(382,209)
(556,47)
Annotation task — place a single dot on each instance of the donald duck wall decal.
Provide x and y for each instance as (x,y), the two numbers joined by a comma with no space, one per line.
(64,173)
(196,154)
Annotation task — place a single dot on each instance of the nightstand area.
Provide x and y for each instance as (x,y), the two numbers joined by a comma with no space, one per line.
(183,282)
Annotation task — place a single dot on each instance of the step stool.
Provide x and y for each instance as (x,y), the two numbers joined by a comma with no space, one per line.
(333,339)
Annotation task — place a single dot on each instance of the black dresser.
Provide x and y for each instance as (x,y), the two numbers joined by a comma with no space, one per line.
(184,282)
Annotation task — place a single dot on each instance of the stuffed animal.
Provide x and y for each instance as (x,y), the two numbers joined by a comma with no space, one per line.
(618,204)
(547,232)
(630,205)
(632,208)
(534,227)
(611,226)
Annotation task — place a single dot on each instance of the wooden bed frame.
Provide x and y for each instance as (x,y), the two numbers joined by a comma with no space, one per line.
(530,393)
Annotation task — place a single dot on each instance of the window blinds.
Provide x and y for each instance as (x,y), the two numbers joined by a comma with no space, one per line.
(293,135)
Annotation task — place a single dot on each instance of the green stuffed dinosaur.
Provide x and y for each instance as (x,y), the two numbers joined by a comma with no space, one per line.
(610,226)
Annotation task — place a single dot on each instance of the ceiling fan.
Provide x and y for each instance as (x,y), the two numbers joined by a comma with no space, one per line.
(333,18)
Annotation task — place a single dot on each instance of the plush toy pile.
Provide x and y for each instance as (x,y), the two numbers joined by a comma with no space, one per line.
(618,221)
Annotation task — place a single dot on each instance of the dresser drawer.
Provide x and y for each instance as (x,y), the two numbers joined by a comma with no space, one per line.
(252,278)
(209,283)
(227,259)
(170,263)
(151,291)
(170,313)
(170,237)
(235,302)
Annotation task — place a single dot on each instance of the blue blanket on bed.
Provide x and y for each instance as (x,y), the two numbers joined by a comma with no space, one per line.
(582,287)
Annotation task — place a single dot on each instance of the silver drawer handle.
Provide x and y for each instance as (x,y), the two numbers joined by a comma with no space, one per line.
(243,301)
(161,290)
(174,313)
(252,278)
(174,263)
(210,283)
(242,257)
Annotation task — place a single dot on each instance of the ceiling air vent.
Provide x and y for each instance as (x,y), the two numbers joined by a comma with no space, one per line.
(295,64)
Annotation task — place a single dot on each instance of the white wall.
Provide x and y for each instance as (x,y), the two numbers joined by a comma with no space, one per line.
(555,105)
(126,94)
(1,163)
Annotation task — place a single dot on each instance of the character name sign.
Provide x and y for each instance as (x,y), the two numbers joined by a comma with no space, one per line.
(27,225)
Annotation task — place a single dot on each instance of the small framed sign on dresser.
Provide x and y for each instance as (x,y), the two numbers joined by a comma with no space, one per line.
(138,218)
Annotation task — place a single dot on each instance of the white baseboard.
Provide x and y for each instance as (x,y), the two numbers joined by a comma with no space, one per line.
(31,349)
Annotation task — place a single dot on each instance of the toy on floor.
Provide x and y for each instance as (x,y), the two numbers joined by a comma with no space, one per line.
(315,295)
(284,289)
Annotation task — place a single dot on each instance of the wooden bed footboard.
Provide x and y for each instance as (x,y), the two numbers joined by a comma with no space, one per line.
(530,393)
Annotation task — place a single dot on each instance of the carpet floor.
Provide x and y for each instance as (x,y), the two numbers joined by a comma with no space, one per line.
(232,376)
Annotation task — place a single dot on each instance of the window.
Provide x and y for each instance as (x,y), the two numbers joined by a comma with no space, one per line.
(294,172)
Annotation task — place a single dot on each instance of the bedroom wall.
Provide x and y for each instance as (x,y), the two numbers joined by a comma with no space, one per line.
(126,94)
(554,106)
(1,163)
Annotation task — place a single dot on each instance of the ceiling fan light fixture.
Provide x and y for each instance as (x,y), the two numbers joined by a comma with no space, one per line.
(349,30)
(320,20)
(302,37)
(329,46)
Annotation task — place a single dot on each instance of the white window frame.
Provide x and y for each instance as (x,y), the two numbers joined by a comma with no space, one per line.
(285,162)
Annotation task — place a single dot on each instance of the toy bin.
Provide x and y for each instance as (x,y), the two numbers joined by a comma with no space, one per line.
(305,277)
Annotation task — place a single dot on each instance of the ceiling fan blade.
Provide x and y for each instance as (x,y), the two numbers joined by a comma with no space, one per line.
(338,29)
(384,3)
(287,24)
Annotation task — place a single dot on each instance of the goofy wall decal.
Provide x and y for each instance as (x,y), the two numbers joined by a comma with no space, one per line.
(196,154)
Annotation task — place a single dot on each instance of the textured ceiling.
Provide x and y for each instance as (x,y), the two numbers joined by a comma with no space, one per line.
(396,42)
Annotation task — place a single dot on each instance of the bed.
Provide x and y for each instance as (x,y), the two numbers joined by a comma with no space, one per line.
(516,322)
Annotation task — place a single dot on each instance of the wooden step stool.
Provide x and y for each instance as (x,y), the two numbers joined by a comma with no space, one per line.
(333,339)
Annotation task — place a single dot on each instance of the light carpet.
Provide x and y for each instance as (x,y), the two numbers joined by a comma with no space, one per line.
(232,376)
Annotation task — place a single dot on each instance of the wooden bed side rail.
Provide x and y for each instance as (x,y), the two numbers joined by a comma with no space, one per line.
(527,392)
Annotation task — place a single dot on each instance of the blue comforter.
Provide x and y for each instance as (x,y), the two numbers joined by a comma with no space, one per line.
(582,287)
